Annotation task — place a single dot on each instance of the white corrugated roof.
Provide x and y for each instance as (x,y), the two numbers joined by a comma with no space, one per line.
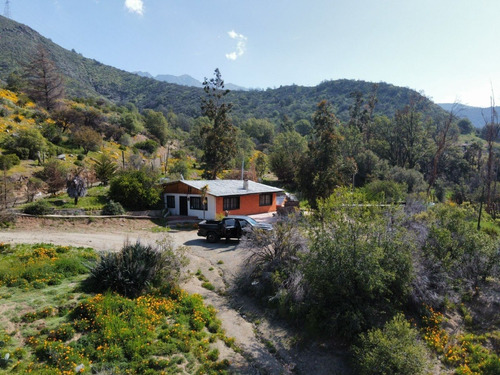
(220,188)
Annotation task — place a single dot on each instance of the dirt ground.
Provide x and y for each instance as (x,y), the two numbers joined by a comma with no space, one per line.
(268,345)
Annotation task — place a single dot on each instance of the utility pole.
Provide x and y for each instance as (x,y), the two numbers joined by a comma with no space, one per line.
(6,9)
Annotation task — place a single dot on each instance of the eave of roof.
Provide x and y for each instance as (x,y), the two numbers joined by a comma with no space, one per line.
(223,188)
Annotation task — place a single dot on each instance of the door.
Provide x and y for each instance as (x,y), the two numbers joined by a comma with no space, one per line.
(183,206)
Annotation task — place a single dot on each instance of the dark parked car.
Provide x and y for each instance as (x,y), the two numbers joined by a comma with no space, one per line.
(229,227)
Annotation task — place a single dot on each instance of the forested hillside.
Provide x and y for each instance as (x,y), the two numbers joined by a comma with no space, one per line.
(86,77)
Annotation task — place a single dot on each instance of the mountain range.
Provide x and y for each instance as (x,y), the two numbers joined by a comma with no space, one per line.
(477,115)
(186,80)
(86,77)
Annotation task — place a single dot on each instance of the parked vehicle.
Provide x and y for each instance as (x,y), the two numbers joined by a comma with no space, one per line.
(229,227)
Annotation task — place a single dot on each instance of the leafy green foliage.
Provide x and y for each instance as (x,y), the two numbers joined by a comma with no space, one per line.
(262,131)
(39,265)
(395,349)
(104,168)
(40,207)
(135,189)
(136,269)
(27,144)
(319,171)
(113,208)
(286,152)
(385,191)
(359,267)
(219,143)
(149,146)
(460,257)
(157,125)
(169,331)
(180,167)
(8,161)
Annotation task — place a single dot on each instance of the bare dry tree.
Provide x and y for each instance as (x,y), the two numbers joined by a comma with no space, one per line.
(45,83)
(443,139)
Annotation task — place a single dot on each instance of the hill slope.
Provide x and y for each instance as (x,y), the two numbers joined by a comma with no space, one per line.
(88,77)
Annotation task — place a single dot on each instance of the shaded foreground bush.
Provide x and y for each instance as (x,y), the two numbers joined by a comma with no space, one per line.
(38,208)
(113,208)
(136,269)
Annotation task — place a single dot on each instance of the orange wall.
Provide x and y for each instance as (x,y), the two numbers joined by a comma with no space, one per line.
(249,205)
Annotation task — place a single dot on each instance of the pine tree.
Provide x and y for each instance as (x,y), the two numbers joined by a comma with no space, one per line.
(321,168)
(219,138)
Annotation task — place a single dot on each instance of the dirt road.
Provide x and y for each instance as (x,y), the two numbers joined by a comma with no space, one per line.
(266,346)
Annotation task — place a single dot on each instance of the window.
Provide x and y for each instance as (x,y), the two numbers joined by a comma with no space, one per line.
(265,199)
(231,203)
(195,204)
(170,201)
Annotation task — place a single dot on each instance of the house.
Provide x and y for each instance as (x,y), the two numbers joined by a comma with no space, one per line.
(238,197)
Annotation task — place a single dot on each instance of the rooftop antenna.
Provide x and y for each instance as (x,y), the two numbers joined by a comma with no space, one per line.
(6,9)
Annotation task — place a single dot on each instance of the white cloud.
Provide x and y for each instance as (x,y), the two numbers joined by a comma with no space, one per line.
(135,6)
(240,45)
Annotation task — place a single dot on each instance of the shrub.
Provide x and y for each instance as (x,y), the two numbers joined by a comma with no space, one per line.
(395,349)
(135,269)
(359,267)
(54,174)
(8,161)
(149,146)
(113,208)
(27,144)
(135,189)
(458,257)
(38,208)
(385,191)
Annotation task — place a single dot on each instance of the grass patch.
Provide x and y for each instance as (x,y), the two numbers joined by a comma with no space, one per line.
(36,266)
(208,285)
(95,200)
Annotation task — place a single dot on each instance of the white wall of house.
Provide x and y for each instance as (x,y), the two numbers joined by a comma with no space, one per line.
(209,213)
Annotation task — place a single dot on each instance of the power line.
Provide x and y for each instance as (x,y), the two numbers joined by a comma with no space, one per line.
(6,9)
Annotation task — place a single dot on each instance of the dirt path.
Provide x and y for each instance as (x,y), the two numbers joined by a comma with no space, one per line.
(266,346)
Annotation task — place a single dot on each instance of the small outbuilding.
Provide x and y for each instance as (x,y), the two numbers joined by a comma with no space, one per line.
(236,197)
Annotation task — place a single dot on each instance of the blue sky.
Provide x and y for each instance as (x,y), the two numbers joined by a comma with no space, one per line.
(447,49)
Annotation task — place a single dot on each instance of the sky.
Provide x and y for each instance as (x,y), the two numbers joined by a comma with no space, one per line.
(448,50)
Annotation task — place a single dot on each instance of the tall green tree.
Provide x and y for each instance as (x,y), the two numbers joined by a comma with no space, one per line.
(320,170)
(287,150)
(219,137)
(157,125)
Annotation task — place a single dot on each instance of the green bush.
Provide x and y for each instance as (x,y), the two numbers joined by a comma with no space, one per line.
(113,208)
(38,208)
(26,145)
(385,191)
(136,269)
(135,189)
(395,349)
(359,267)
(149,146)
